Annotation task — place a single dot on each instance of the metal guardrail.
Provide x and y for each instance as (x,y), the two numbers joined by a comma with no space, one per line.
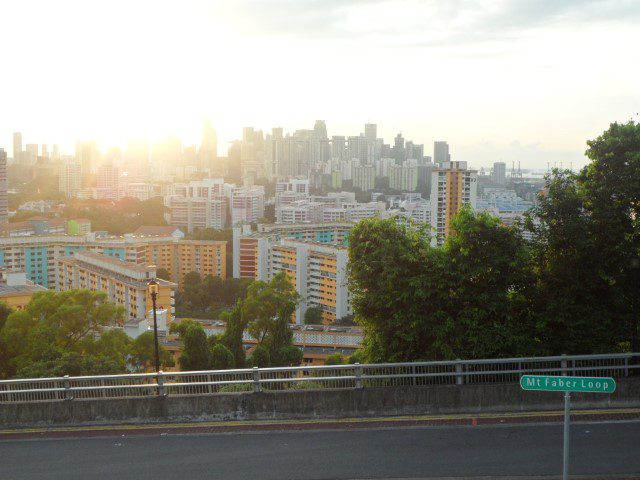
(351,376)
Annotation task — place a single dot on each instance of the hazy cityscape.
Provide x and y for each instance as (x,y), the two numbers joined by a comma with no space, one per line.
(398,239)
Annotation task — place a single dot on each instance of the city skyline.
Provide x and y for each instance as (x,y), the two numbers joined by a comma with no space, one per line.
(510,81)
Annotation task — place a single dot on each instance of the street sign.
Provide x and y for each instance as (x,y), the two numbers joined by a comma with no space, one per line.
(551,383)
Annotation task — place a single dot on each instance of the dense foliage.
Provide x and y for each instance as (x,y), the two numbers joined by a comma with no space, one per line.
(118,218)
(207,297)
(68,333)
(487,292)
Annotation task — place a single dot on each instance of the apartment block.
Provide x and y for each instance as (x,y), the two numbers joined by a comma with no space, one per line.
(319,273)
(124,283)
(452,185)
(37,255)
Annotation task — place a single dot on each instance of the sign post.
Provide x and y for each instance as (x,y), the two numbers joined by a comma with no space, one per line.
(549,383)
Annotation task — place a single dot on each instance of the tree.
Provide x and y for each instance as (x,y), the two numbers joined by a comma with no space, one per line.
(260,357)
(163,273)
(221,357)
(196,354)
(5,358)
(232,336)
(143,354)
(313,315)
(610,186)
(53,326)
(467,299)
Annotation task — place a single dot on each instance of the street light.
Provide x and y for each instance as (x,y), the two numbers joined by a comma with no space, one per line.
(153,291)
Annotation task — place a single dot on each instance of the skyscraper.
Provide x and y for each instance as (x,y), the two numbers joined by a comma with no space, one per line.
(371,131)
(452,186)
(499,173)
(208,147)
(441,152)
(17,146)
(86,156)
(320,128)
(4,204)
(70,177)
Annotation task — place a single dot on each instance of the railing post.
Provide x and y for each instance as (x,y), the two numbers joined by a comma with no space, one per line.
(413,374)
(358,372)
(68,395)
(459,376)
(563,365)
(160,382)
(257,386)
(626,366)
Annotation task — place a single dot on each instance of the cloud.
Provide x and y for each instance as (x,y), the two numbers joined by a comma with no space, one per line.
(413,23)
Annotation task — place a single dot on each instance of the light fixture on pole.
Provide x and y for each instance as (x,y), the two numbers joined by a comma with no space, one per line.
(153,291)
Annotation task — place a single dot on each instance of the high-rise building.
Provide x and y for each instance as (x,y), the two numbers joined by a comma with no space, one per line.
(499,173)
(319,274)
(320,129)
(69,176)
(441,152)
(398,149)
(4,204)
(364,177)
(452,185)
(108,186)
(247,204)
(17,147)
(404,177)
(86,156)
(30,154)
(208,153)
(338,147)
(371,132)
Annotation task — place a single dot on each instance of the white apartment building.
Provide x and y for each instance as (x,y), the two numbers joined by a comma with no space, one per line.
(404,177)
(247,204)
(193,213)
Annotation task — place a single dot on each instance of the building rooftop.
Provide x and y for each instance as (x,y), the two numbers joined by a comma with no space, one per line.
(14,291)
(156,230)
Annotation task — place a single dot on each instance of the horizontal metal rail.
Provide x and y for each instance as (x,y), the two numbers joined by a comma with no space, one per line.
(456,372)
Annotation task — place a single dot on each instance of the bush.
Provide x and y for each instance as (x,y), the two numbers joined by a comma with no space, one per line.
(335,359)
(236,387)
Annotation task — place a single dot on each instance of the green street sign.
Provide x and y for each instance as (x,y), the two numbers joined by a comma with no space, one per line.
(551,383)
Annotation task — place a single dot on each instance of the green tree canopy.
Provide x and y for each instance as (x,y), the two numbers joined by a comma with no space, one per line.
(313,315)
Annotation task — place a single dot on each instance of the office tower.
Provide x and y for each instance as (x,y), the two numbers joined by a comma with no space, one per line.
(17,147)
(274,152)
(320,129)
(398,149)
(338,147)
(45,151)
(371,132)
(441,152)
(208,153)
(86,156)
(69,176)
(452,185)
(55,152)
(30,154)
(252,153)
(415,152)
(4,203)
(499,173)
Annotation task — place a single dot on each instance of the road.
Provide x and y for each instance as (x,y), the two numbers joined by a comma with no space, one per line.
(514,450)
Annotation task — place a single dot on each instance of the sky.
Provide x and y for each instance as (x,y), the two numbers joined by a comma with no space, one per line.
(500,80)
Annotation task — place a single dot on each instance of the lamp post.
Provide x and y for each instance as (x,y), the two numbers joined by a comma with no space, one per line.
(153,291)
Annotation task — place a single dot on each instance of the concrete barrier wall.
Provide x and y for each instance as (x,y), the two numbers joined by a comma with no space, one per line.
(309,404)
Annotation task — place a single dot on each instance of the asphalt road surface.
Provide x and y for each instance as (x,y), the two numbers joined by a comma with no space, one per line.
(516,450)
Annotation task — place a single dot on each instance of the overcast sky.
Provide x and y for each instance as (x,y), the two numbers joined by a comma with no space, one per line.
(526,80)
